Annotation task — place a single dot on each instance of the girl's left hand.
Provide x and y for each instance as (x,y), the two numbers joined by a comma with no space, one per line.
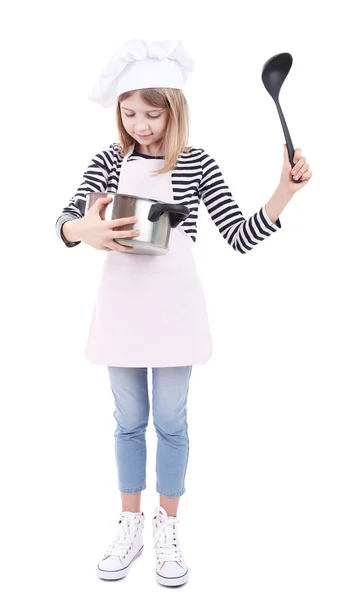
(300,170)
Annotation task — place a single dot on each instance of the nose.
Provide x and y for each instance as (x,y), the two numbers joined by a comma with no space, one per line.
(141,127)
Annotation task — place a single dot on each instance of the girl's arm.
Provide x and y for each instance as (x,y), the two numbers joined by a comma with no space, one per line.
(95,179)
(277,203)
(242,234)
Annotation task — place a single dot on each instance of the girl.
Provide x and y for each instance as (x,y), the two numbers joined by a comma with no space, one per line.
(150,310)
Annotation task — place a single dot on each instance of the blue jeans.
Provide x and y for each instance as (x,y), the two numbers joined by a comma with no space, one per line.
(169,406)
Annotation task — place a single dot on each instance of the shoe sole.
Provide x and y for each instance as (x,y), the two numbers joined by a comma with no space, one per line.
(170,581)
(114,575)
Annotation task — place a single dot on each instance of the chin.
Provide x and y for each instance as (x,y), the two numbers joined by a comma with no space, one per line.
(145,141)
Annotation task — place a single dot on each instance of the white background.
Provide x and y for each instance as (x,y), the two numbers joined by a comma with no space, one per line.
(264,515)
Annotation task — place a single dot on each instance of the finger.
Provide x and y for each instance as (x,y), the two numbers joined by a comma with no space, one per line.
(297,169)
(124,234)
(98,204)
(121,222)
(118,247)
(299,164)
(301,171)
(306,176)
(297,155)
(121,248)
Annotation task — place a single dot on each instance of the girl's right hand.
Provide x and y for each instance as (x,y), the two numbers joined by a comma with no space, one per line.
(98,233)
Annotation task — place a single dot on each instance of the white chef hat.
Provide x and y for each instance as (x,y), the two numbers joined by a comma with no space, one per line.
(138,64)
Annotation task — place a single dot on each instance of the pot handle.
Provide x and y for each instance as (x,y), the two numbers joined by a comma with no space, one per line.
(177,213)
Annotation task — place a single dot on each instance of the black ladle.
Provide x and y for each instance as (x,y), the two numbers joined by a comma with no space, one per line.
(275,71)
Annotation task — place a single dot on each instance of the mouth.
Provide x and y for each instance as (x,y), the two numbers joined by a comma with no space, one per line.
(144,137)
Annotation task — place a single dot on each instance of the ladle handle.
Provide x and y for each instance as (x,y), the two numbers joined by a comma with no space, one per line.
(287,137)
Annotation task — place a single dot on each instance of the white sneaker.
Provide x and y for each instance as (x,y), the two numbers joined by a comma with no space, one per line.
(126,546)
(171,567)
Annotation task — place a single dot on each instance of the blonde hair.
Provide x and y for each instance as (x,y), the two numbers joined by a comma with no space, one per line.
(177,130)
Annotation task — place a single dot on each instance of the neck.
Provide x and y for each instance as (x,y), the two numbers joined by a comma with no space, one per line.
(151,150)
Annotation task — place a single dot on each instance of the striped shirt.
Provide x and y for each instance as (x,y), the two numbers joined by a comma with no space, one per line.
(196,177)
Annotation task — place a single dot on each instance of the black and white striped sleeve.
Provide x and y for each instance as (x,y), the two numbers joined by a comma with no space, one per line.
(94,180)
(242,234)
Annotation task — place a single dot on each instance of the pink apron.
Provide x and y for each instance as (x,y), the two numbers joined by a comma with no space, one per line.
(150,310)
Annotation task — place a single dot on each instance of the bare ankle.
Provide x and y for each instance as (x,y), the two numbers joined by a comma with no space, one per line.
(131,502)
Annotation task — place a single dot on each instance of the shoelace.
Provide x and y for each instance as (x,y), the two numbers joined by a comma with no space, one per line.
(122,541)
(166,542)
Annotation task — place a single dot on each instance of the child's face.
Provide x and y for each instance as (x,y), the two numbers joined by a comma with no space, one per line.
(145,123)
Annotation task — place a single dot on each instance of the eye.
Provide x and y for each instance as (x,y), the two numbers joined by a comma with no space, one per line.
(128,115)
(156,117)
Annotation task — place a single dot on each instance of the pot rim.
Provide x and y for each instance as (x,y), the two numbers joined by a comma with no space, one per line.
(115,194)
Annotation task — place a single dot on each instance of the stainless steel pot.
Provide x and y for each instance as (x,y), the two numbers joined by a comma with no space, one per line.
(155,220)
